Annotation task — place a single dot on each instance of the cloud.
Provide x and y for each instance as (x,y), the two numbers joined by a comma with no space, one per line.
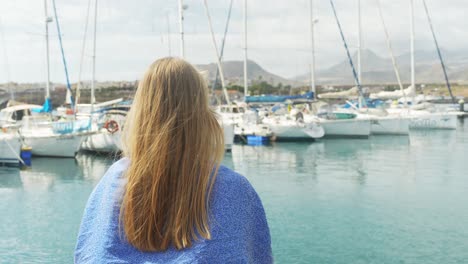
(131,34)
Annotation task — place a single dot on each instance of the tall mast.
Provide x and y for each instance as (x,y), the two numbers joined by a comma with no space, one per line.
(93,78)
(359,44)
(69,97)
(215,82)
(246,85)
(168,34)
(439,53)
(312,45)
(47,21)
(181,28)
(412,47)
(83,48)
(390,50)
(218,57)
(5,56)
(356,79)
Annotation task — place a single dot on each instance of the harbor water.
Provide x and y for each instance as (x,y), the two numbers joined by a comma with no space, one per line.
(388,199)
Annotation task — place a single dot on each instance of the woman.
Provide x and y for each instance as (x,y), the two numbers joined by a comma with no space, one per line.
(169,200)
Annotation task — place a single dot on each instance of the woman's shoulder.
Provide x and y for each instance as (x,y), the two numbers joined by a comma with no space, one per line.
(233,188)
(229,178)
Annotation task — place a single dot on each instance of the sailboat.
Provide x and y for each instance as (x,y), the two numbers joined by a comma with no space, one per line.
(294,126)
(424,116)
(107,118)
(230,116)
(382,122)
(337,123)
(40,131)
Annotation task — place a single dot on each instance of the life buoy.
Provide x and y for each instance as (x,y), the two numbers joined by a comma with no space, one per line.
(112,126)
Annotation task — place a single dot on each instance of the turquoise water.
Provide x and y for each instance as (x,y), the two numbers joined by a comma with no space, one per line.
(382,200)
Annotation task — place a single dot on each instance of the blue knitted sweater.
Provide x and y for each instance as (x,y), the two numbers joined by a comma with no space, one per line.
(238,226)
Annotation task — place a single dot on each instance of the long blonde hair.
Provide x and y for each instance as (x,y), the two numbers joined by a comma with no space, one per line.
(175,146)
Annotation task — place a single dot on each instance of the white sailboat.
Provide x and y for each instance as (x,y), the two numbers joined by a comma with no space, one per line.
(294,127)
(343,125)
(46,138)
(421,115)
(107,124)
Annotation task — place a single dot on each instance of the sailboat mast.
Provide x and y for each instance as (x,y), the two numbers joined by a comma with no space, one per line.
(312,46)
(181,28)
(390,50)
(246,85)
(356,79)
(438,52)
(93,77)
(47,21)
(168,34)
(218,57)
(5,56)
(413,81)
(215,82)
(83,48)
(359,71)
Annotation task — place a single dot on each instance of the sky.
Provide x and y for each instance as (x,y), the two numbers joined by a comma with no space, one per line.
(132,34)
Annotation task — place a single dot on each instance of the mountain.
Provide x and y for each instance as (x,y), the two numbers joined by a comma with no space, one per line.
(234,73)
(379,70)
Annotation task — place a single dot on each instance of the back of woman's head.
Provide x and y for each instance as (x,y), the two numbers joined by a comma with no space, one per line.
(175,146)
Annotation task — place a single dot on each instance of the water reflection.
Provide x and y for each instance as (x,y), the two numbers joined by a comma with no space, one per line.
(93,166)
(46,172)
(10,178)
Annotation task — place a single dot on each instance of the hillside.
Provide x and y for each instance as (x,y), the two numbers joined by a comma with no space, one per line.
(379,70)
(234,73)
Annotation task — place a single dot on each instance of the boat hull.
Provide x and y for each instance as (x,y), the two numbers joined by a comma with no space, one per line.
(389,125)
(285,132)
(65,146)
(228,130)
(434,121)
(103,142)
(286,128)
(10,148)
(359,128)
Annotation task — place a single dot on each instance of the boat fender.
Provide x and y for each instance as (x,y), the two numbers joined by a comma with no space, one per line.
(112,126)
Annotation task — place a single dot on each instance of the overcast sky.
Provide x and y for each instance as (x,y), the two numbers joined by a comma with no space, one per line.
(131,34)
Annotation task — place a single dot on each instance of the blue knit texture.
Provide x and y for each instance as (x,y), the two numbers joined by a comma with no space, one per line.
(238,226)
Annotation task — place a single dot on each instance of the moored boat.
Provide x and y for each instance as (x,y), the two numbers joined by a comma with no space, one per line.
(10,148)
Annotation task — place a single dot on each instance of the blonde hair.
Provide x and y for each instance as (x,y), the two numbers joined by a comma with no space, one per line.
(175,146)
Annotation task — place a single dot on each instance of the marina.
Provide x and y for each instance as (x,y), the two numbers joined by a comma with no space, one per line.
(356,158)
(387,199)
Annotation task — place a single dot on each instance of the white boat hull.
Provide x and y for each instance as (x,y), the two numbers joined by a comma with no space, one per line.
(228,130)
(423,119)
(55,145)
(287,128)
(346,127)
(297,132)
(389,125)
(104,142)
(434,121)
(10,148)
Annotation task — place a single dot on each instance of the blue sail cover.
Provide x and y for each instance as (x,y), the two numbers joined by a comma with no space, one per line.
(46,107)
(269,98)
(370,103)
